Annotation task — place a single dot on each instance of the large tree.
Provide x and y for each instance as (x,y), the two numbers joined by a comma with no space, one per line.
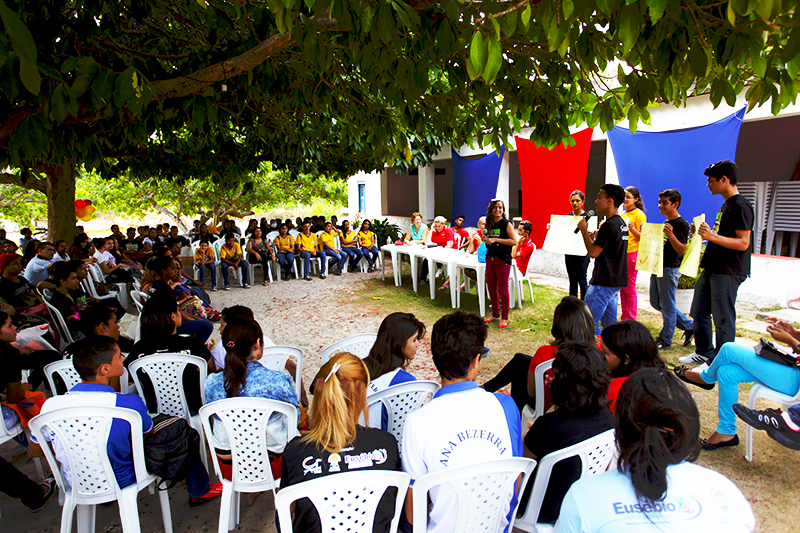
(209,89)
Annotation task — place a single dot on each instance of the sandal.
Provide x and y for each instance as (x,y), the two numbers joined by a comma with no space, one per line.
(443,288)
(680,371)
(503,324)
(491,319)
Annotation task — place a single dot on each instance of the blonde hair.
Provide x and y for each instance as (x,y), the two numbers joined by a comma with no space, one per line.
(440,219)
(416,214)
(339,402)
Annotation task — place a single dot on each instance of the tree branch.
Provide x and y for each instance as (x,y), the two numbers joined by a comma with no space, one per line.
(32,182)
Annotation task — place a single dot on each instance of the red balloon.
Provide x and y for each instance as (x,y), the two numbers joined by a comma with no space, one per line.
(87,202)
(80,204)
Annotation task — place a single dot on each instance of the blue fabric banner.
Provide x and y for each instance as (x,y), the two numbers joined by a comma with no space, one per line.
(474,185)
(654,161)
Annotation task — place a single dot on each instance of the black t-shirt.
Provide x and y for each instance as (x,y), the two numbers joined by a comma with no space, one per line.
(18,294)
(10,369)
(735,214)
(555,431)
(66,307)
(501,251)
(680,228)
(373,449)
(611,266)
(134,245)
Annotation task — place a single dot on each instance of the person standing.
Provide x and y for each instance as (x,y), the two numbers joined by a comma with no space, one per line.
(500,237)
(725,264)
(577,264)
(634,216)
(609,249)
(663,289)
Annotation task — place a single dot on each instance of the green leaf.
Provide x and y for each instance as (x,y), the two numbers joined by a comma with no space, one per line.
(58,103)
(765,8)
(202,3)
(493,62)
(604,6)
(731,14)
(102,89)
(366,18)
(729,93)
(656,9)
(72,101)
(385,24)
(80,85)
(477,53)
(759,64)
(526,16)
(567,8)
(698,60)
(792,47)
(510,22)
(496,26)
(452,11)
(629,25)
(471,70)
(29,75)
(19,35)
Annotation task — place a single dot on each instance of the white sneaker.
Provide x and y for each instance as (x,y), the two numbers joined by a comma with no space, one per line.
(701,368)
(439,273)
(693,359)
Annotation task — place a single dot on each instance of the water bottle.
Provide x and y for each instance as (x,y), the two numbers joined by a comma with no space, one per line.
(482,253)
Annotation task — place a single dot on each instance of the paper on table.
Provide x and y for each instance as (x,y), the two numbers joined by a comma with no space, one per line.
(561,237)
(691,260)
(651,249)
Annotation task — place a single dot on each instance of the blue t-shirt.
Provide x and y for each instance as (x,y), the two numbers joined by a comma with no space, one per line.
(378,417)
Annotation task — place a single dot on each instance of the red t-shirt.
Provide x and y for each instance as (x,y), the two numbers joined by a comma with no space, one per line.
(548,352)
(463,232)
(525,249)
(442,237)
(613,390)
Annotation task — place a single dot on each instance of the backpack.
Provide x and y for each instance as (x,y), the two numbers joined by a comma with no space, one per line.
(172,449)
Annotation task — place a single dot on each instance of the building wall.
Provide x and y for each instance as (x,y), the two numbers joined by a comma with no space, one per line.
(402,193)
(372,183)
(443,179)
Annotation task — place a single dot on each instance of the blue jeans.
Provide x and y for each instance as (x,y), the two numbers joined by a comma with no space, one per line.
(286,261)
(354,254)
(736,363)
(602,302)
(662,298)
(212,269)
(197,482)
(245,272)
(306,256)
(332,256)
(714,297)
(200,328)
(371,254)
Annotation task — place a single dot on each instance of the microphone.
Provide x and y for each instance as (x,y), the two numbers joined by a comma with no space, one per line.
(586,216)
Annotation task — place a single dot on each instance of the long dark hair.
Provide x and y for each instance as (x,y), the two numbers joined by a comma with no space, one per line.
(637,198)
(490,217)
(387,352)
(157,312)
(657,424)
(572,321)
(632,342)
(238,338)
(4,346)
(580,378)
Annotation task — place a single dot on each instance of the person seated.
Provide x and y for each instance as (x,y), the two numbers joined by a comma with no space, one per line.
(782,426)
(16,290)
(458,347)
(340,400)
(579,390)
(327,248)
(228,226)
(458,229)
(65,278)
(655,485)
(349,241)
(113,271)
(132,247)
(81,247)
(37,268)
(525,247)
(191,300)
(30,252)
(259,250)
(100,319)
(243,376)
(203,233)
(116,233)
(176,252)
(26,238)
(205,261)
(251,225)
(151,240)
(14,358)
(62,251)
(628,346)
(33,495)
(395,347)
(97,360)
(442,236)
(174,235)
(369,244)
(230,256)
(8,247)
(195,228)
(288,222)
(298,223)
(418,232)
(285,244)
(307,248)
(572,321)
(736,363)
(121,257)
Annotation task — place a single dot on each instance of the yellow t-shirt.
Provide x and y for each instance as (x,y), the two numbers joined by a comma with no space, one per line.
(638,218)
(284,242)
(328,238)
(209,255)
(307,244)
(350,236)
(366,239)
(232,253)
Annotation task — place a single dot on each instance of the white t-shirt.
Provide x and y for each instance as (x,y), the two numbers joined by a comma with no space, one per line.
(377,413)
(103,257)
(697,499)
(218,353)
(461,425)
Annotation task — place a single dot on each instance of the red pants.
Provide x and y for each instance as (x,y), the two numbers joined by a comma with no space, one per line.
(497,279)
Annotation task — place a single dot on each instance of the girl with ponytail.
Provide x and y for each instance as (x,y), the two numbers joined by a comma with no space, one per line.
(336,443)
(657,432)
(244,376)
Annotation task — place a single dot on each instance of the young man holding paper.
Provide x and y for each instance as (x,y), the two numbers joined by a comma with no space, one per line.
(726,264)
(663,289)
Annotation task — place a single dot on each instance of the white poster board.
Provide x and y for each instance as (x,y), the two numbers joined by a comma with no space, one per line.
(691,259)
(561,237)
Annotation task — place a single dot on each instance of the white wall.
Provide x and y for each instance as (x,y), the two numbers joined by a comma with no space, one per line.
(372,182)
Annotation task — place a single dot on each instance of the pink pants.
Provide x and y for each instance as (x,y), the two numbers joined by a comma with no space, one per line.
(627,295)
(497,279)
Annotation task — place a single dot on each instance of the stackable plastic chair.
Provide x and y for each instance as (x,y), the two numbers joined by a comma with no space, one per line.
(359,345)
(139,298)
(400,401)
(8,434)
(217,245)
(245,421)
(70,376)
(83,432)
(275,357)
(538,377)
(596,453)
(482,493)
(759,390)
(97,274)
(61,325)
(345,502)
(165,371)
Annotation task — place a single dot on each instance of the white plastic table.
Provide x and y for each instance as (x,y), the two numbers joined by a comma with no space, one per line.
(449,258)
(470,261)
(392,250)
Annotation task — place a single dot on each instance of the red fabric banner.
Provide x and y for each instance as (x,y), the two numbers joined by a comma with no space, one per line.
(548,176)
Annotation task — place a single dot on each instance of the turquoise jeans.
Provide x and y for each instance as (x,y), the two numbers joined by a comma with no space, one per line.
(736,363)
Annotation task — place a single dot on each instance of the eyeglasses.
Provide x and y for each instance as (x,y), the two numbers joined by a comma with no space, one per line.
(485,354)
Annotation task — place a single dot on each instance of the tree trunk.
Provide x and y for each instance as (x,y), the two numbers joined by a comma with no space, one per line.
(60,201)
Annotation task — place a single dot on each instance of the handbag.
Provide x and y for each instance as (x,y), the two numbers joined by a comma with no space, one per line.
(770,352)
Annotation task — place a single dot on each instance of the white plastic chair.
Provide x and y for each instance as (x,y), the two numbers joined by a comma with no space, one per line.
(482,493)
(97,274)
(88,286)
(294,232)
(538,375)
(70,376)
(275,357)
(245,422)
(345,502)
(139,298)
(61,325)
(400,401)
(359,345)
(519,278)
(595,453)
(759,390)
(8,434)
(220,265)
(83,432)
(165,371)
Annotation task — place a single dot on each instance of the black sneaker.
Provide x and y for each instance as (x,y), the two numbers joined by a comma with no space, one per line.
(661,345)
(771,421)
(48,487)
(323,276)
(688,335)
(307,278)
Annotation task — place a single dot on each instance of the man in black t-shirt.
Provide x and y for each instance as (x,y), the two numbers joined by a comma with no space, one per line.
(725,264)
(663,289)
(609,248)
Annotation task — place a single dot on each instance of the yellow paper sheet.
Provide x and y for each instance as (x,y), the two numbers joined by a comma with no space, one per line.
(691,259)
(651,249)
(561,237)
